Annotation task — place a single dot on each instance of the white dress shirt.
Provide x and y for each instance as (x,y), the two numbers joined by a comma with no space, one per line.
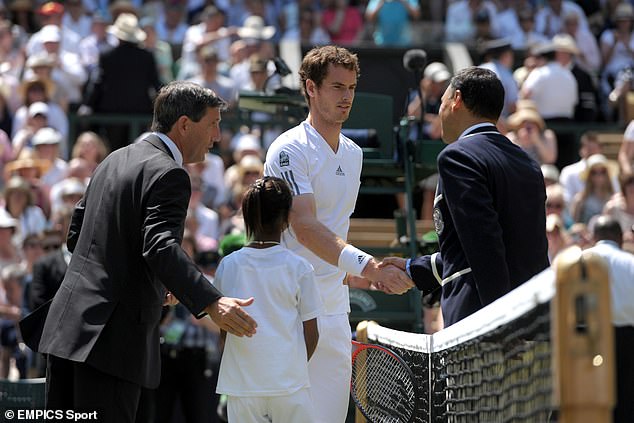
(621,274)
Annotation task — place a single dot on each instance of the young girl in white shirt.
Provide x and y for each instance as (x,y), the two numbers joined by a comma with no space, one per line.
(265,377)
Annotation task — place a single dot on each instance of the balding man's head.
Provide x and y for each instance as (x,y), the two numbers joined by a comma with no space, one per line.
(607,228)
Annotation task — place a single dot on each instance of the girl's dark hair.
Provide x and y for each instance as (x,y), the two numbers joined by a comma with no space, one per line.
(266,205)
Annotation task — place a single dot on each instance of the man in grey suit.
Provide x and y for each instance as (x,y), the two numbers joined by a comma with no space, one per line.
(101,332)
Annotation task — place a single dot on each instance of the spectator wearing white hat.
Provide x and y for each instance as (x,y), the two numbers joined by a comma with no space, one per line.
(8,251)
(66,192)
(46,144)
(570,176)
(242,145)
(258,37)
(567,54)
(37,118)
(19,202)
(41,66)
(435,79)
(528,130)
(128,68)
(52,13)
(539,86)
(36,90)
(598,189)
(67,68)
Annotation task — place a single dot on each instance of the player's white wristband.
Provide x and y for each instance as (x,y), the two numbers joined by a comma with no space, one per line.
(352,260)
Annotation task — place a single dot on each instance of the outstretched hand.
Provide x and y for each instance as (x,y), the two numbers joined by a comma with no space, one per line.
(399,262)
(229,315)
(389,278)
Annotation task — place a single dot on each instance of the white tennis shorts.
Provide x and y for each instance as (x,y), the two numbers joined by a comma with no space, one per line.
(330,369)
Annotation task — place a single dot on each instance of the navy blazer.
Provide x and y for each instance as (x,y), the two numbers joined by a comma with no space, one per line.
(125,237)
(490,216)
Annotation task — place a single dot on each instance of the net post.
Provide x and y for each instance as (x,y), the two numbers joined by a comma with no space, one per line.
(583,339)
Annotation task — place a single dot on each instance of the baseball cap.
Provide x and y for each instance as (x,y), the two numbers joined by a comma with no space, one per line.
(46,136)
(38,108)
(434,67)
(50,34)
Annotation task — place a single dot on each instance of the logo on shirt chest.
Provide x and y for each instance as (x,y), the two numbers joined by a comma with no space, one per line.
(339,172)
(284,159)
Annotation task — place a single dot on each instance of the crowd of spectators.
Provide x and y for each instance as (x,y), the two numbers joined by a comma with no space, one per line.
(99,56)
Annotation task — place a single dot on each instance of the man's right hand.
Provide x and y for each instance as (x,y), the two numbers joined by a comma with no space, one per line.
(389,278)
(399,262)
(229,315)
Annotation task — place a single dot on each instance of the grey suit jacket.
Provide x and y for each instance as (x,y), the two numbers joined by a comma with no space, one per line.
(125,237)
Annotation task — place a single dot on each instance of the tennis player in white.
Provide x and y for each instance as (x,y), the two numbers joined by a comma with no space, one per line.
(266,378)
(323,170)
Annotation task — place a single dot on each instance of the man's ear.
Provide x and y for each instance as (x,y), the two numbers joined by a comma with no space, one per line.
(457,100)
(182,124)
(310,87)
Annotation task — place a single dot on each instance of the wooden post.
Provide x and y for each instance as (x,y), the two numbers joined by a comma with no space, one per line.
(583,339)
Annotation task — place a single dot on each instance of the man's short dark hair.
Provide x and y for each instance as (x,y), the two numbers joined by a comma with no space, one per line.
(180,98)
(316,61)
(607,228)
(482,91)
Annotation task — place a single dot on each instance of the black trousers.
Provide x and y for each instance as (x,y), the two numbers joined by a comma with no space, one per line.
(82,388)
(189,376)
(624,345)
(567,143)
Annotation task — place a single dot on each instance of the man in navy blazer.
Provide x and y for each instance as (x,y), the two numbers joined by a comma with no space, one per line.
(489,208)
(101,332)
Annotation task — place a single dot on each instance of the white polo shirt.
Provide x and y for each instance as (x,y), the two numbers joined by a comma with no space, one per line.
(551,78)
(303,158)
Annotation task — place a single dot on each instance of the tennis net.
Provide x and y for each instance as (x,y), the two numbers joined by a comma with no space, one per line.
(500,364)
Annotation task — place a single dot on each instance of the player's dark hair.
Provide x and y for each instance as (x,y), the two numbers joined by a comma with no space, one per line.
(482,91)
(316,61)
(180,98)
(266,205)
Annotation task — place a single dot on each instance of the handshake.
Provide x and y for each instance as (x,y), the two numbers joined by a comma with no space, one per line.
(388,276)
